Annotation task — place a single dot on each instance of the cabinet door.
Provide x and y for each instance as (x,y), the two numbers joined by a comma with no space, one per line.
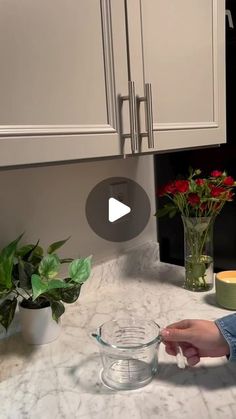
(58,97)
(183,57)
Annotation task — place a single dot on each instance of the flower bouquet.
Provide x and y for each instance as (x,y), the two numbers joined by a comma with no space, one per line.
(199,200)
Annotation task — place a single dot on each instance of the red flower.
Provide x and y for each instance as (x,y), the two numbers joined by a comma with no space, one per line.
(170,187)
(200,182)
(229,196)
(161,191)
(216,173)
(196,196)
(216,191)
(182,185)
(167,189)
(228,181)
(193,199)
(203,206)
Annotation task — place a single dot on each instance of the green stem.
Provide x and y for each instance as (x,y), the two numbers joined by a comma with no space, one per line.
(195,263)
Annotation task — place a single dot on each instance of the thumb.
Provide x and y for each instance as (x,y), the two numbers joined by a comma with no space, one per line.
(176,335)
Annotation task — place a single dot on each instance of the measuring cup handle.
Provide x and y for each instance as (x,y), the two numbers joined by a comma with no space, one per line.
(94,335)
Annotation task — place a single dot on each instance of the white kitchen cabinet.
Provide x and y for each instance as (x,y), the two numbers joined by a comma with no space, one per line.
(181,50)
(63,65)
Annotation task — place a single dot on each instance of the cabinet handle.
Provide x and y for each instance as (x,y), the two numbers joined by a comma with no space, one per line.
(132,116)
(148,114)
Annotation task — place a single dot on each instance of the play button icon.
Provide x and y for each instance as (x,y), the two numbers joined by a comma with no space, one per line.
(116,210)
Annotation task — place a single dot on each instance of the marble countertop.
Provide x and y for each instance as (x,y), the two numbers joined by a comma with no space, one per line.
(61,379)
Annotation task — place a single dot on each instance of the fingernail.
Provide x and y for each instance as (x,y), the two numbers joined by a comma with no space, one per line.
(165,333)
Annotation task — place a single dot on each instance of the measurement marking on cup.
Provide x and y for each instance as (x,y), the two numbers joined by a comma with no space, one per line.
(130,370)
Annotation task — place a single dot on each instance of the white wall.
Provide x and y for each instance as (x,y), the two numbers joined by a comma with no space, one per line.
(49,203)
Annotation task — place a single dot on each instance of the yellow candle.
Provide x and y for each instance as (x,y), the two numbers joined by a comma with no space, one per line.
(227,276)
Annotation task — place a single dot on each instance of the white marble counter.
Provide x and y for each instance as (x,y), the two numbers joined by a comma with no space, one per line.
(61,379)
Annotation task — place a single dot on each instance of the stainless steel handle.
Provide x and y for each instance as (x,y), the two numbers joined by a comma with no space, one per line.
(133,116)
(149,114)
(147,98)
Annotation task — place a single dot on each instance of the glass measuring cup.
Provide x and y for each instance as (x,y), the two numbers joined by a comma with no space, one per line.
(129,352)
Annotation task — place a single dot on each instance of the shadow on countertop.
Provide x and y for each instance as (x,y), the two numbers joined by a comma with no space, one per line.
(210,299)
(12,343)
(212,377)
(15,355)
(15,345)
(86,375)
(159,272)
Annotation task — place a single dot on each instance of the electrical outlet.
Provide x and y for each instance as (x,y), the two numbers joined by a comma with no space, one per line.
(119,191)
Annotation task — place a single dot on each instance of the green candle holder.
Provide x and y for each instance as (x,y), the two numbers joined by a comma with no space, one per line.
(225,283)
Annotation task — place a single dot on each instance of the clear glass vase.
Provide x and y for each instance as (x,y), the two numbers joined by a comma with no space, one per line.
(198,253)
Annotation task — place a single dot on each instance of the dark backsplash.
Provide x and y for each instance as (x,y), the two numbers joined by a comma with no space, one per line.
(170,231)
(170,165)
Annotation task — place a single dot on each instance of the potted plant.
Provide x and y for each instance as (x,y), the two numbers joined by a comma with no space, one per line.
(31,276)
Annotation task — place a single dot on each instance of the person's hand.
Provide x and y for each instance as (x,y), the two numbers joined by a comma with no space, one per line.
(197,338)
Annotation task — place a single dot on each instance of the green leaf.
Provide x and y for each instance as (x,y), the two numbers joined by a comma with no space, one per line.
(53,295)
(172,213)
(168,208)
(24,272)
(198,270)
(67,295)
(29,251)
(56,245)
(7,311)
(80,269)
(192,186)
(191,171)
(4,292)
(57,309)
(49,266)
(36,256)
(24,250)
(6,263)
(70,295)
(40,286)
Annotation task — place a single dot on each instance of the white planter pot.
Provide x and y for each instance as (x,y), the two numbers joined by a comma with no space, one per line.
(38,326)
